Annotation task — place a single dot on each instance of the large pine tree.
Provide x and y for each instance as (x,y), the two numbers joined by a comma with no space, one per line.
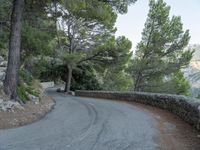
(160,54)
(12,73)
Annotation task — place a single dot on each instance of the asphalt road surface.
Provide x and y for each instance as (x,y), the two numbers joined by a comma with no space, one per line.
(85,124)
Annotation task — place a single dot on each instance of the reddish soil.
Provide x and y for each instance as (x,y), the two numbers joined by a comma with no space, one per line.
(175,134)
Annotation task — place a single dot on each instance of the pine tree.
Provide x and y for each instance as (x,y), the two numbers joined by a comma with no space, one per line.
(161,50)
(81,31)
(12,72)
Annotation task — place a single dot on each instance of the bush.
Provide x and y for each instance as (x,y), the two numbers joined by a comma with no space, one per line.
(32,91)
(26,76)
(21,91)
(84,78)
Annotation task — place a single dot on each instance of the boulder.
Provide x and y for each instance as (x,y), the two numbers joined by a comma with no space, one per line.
(33,98)
(2,76)
(3,64)
(1,100)
(61,89)
(9,105)
(2,69)
(1,84)
(1,58)
(71,93)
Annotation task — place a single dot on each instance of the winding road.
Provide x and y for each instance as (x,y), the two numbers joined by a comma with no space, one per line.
(85,124)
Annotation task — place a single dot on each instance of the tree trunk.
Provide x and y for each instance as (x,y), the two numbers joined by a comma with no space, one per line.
(69,77)
(12,72)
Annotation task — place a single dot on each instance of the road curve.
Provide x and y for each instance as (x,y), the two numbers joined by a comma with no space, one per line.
(85,124)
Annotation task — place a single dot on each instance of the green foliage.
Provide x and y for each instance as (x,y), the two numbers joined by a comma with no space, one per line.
(35,41)
(86,25)
(21,91)
(4,26)
(112,63)
(26,76)
(160,54)
(180,84)
(60,35)
(26,86)
(117,81)
(37,65)
(73,58)
(119,5)
(32,91)
(198,97)
(92,10)
(84,78)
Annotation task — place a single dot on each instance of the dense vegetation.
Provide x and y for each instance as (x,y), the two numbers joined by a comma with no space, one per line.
(73,41)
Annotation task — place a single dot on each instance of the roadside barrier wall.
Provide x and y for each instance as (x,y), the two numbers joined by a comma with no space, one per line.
(186,108)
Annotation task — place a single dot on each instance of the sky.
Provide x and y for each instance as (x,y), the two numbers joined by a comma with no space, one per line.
(131,24)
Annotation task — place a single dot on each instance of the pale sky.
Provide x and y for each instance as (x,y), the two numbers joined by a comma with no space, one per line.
(132,23)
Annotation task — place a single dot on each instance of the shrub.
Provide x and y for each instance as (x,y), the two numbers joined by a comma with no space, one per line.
(21,91)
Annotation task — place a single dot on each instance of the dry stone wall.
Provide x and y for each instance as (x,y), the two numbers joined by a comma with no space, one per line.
(185,107)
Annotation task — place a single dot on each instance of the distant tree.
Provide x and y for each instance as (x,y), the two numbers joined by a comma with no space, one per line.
(161,51)
(179,84)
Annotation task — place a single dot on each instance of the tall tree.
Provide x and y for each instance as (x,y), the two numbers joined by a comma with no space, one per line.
(161,50)
(81,32)
(12,72)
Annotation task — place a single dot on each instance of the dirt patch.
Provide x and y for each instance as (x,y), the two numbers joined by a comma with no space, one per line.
(175,134)
(31,113)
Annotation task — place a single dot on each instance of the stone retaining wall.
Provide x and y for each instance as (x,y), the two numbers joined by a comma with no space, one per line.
(46,85)
(185,107)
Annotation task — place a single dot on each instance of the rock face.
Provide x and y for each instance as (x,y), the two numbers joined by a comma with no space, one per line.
(192,74)
(185,107)
(192,71)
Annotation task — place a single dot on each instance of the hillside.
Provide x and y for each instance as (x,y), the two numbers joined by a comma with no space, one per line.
(196,55)
(192,72)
